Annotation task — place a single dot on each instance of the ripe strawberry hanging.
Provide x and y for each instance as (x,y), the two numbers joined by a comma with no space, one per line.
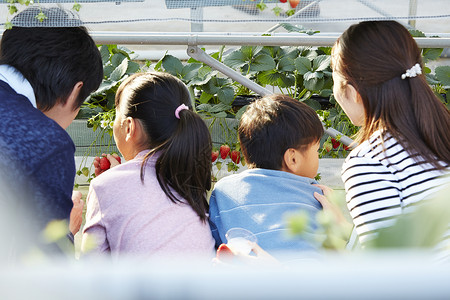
(335,143)
(235,156)
(104,163)
(214,155)
(283,1)
(294,3)
(224,151)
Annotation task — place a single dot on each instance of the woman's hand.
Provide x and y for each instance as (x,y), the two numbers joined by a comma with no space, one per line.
(328,205)
(113,159)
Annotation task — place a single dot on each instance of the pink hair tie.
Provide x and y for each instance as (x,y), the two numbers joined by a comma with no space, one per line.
(180,108)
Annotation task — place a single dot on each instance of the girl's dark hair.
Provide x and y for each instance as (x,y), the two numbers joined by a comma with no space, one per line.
(183,168)
(272,125)
(372,56)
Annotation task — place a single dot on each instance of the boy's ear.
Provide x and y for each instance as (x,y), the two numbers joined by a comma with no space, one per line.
(290,160)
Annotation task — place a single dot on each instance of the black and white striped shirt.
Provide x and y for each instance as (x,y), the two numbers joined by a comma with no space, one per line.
(383,181)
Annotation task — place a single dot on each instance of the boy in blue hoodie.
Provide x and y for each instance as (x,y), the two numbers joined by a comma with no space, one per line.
(279,138)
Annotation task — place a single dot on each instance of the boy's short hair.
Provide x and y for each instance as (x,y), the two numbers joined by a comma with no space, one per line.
(52,59)
(273,124)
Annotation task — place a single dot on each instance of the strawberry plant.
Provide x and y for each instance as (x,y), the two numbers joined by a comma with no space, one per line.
(99,107)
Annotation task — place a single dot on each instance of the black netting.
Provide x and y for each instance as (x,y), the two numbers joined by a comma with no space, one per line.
(235,15)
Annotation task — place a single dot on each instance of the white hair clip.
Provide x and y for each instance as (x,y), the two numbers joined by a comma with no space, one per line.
(416,69)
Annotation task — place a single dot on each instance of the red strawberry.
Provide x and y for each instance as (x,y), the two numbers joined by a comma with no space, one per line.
(283,1)
(224,151)
(294,3)
(346,148)
(224,253)
(235,156)
(335,143)
(118,159)
(214,155)
(104,163)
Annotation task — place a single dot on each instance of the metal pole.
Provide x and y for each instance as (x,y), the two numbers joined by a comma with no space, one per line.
(157,38)
(412,12)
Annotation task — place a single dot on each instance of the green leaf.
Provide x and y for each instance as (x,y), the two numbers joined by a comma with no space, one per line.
(302,64)
(312,75)
(117,59)
(293,28)
(286,64)
(312,103)
(8,25)
(41,17)
(172,65)
(261,5)
(286,80)
(226,95)
(12,9)
(85,171)
(416,33)
(314,84)
(235,59)
(321,62)
(325,93)
(431,53)
(104,86)
(205,97)
(277,10)
(443,75)
(262,62)
(159,63)
(240,112)
(268,77)
(107,71)
(76,7)
(104,52)
(290,52)
(221,114)
(118,72)
(189,71)
(204,71)
(133,67)
(211,87)
(326,50)
(204,107)
(219,108)
(111,101)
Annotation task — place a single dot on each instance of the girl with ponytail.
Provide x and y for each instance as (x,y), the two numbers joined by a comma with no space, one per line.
(403,156)
(155,203)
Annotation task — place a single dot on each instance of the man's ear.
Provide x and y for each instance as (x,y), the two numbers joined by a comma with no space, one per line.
(73,96)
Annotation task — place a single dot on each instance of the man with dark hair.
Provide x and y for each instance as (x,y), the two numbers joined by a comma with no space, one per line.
(46,73)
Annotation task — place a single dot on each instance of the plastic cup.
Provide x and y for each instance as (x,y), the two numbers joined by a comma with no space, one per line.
(240,241)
